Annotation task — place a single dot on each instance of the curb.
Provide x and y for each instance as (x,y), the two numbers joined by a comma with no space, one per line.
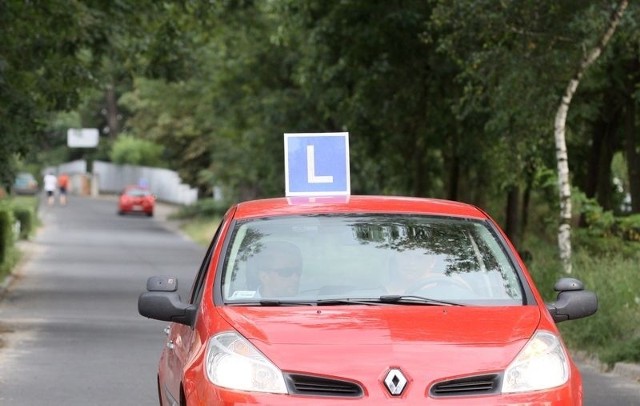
(6,282)
(25,248)
(623,369)
(631,371)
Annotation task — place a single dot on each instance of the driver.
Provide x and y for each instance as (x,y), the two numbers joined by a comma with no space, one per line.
(279,269)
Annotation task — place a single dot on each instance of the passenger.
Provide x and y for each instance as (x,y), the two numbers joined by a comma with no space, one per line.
(412,270)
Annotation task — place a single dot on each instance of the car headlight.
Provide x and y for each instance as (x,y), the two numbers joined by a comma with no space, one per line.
(542,364)
(234,363)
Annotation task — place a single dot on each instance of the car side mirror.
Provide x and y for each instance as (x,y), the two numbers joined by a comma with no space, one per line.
(573,302)
(162,302)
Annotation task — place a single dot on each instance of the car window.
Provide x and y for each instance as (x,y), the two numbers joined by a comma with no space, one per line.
(198,283)
(25,179)
(137,192)
(365,256)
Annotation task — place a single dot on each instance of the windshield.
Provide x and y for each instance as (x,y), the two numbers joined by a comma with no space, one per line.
(310,259)
(137,192)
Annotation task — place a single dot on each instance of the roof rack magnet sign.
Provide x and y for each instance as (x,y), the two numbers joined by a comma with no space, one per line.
(317,164)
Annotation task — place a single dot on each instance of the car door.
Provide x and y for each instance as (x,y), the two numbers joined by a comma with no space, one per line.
(180,338)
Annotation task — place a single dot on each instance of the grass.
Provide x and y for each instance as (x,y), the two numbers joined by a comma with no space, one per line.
(607,266)
(200,221)
(201,229)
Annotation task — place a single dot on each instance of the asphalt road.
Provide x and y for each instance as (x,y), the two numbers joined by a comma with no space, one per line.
(70,333)
(69,326)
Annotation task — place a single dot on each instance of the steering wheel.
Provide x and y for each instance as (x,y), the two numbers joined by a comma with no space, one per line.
(441,283)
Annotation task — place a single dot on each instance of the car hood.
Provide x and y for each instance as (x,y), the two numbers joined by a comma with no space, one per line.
(352,340)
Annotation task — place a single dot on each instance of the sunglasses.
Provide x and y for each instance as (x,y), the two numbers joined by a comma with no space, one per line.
(284,272)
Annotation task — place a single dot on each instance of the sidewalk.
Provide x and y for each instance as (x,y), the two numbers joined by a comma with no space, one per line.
(162,213)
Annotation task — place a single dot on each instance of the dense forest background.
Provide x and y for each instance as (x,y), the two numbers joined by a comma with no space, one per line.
(441,98)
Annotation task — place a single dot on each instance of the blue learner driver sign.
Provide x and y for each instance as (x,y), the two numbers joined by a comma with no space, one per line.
(317,164)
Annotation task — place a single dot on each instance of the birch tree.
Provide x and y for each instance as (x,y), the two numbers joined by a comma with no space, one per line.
(564,183)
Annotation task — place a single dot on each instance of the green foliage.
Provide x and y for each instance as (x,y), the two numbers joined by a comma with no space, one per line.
(178,123)
(135,151)
(53,50)
(7,237)
(39,72)
(26,216)
(627,351)
(628,228)
(203,208)
(615,281)
(601,223)
(612,332)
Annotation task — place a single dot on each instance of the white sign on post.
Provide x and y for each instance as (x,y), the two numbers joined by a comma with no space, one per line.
(317,164)
(82,137)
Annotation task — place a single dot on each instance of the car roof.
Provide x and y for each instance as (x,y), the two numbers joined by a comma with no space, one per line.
(355,204)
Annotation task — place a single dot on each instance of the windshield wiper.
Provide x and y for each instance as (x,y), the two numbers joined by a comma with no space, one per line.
(348,301)
(277,302)
(411,299)
(382,300)
(272,302)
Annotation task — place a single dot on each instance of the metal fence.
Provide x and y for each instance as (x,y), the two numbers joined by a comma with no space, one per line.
(108,178)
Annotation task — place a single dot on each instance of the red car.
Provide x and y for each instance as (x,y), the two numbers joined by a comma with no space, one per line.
(372,300)
(136,199)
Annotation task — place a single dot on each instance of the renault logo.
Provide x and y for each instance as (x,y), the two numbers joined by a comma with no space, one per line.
(395,382)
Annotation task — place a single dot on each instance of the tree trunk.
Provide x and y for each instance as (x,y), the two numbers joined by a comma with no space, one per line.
(454,170)
(112,112)
(512,222)
(564,184)
(604,189)
(630,137)
(590,186)
(524,205)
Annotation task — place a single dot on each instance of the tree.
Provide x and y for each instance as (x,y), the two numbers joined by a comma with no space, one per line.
(136,151)
(51,50)
(509,55)
(564,184)
(40,69)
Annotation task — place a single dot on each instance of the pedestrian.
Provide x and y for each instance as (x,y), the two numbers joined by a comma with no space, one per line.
(63,184)
(50,186)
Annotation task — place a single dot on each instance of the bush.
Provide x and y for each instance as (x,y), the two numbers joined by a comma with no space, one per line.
(628,351)
(135,151)
(27,218)
(607,266)
(6,235)
(628,228)
(207,208)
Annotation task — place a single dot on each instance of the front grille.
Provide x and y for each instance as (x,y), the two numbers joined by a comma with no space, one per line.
(317,386)
(474,385)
